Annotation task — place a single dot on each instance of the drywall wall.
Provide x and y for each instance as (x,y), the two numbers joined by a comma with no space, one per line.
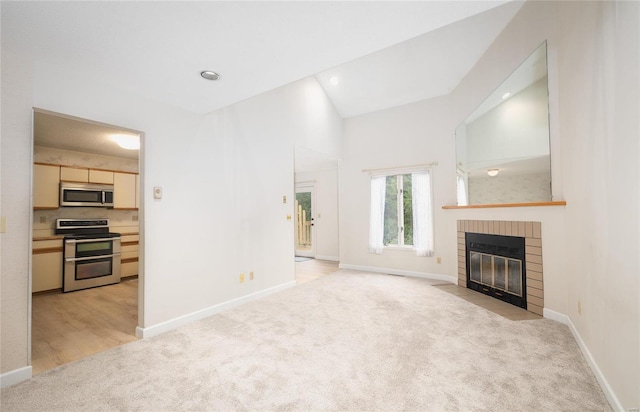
(414,134)
(593,98)
(16,89)
(599,93)
(223,177)
(590,247)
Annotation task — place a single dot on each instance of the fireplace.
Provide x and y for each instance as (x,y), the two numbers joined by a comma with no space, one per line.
(532,286)
(496,267)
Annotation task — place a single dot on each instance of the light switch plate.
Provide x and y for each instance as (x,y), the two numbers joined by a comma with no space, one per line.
(157,192)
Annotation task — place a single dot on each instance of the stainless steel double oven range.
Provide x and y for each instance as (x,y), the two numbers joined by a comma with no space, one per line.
(91,253)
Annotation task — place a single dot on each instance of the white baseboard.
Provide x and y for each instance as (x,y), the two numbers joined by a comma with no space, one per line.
(432,276)
(604,384)
(331,258)
(15,376)
(175,323)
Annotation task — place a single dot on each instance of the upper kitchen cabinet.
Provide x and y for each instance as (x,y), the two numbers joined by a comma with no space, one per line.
(46,184)
(74,174)
(100,176)
(84,175)
(124,191)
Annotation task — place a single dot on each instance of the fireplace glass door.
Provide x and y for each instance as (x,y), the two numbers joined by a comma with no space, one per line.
(496,272)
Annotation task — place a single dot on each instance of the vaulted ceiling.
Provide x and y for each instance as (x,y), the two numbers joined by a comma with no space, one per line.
(158,49)
(384,53)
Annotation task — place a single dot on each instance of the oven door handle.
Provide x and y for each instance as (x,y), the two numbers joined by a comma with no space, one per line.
(94,240)
(80,259)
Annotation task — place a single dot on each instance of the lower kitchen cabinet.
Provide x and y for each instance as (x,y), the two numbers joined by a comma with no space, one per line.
(129,255)
(46,265)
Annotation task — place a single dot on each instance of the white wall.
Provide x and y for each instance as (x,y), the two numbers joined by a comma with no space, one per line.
(325,213)
(590,247)
(599,127)
(223,177)
(409,135)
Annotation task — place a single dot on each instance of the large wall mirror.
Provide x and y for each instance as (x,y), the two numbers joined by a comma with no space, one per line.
(502,148)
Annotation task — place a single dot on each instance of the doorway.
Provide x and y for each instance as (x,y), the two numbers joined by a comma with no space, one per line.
(304,212)
(69,326)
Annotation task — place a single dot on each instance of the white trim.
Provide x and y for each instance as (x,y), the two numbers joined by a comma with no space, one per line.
(604,384)
(331,258)
(15,376)
(155,330)
(432,276)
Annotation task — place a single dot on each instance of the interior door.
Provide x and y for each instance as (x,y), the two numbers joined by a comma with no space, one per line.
(304,212)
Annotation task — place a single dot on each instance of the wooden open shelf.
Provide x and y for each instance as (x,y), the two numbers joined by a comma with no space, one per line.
(558,203)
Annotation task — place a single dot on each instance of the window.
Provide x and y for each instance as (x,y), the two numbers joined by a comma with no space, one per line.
(401,212)
(398,211)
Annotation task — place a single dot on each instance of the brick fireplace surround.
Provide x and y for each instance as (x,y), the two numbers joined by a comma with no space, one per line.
(532,233)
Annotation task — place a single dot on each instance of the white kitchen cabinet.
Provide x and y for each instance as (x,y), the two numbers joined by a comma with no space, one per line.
(124,190)
(46,266)
(74,174)
(46,186)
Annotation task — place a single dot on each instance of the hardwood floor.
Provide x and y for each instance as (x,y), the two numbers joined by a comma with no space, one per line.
(71,326)
(312,269)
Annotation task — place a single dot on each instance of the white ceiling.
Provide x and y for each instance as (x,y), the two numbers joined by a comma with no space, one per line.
(427,66)
(157,49)
(63,132)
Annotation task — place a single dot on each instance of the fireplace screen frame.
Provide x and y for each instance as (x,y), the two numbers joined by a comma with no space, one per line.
(497,246)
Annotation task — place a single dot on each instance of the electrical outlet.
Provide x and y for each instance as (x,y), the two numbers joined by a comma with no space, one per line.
(438,259)
(242,278)
(43,219)
(250,275)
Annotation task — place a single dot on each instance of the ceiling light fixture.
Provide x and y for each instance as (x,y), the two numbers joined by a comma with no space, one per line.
(126,141)
(493,172)
(334,80)
(209,75)
(506,95)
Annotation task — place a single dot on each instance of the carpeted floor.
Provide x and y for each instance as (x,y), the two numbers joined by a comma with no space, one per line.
(347,341)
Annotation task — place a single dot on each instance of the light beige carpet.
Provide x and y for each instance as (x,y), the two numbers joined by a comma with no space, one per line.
(347,341)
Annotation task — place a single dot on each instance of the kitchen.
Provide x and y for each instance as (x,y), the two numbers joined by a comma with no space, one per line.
(85,238)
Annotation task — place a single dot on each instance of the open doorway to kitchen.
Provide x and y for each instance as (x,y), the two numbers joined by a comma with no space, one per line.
(86,238)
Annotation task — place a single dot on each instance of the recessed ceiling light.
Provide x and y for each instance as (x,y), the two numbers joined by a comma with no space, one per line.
(506,95)
(493,172)
(209,75)
(334,80)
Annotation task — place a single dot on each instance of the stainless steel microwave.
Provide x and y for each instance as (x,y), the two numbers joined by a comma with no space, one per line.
(86,194)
